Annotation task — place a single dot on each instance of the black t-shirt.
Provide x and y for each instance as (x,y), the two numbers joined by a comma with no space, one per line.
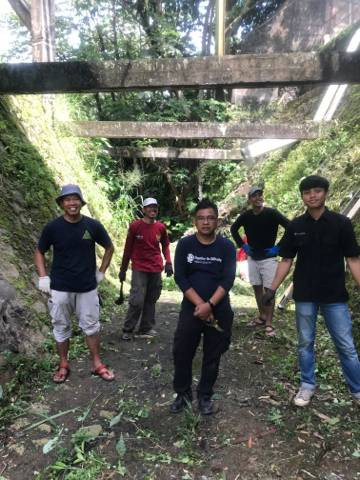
(205,267)
(74,262)
(320,246)
(261,230)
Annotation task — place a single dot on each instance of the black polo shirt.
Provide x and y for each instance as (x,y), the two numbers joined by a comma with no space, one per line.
(320,246)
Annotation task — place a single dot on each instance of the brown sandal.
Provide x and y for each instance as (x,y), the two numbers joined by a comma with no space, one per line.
(60,377)
(256,322)
(270,331)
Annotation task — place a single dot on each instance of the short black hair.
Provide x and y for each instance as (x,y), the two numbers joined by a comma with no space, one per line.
(314,181)
(205,203)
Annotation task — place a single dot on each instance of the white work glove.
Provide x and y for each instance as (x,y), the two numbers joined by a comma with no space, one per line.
(44,284)
(99,276)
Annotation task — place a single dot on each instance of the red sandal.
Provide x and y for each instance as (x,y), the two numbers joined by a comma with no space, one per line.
(104,373)
(60,377)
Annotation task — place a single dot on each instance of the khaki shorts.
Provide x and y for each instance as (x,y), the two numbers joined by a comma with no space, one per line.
(262,272)
(85,306)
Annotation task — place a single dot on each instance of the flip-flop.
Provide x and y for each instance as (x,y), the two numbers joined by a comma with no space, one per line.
(104,373)
(270,331)
(256,322)
(60,378)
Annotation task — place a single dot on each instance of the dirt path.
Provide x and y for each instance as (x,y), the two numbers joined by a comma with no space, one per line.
(257,433)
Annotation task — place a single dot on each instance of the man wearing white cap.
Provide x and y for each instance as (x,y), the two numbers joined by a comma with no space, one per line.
(142,247)
(72,285)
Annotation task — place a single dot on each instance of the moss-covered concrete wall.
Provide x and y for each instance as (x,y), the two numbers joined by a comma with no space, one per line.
(35,160)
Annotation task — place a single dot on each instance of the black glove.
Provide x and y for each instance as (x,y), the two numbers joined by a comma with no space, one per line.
(268,297)
(169,269)
(122,275)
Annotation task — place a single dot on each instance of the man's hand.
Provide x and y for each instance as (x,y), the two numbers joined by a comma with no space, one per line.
(122,275)
(268,297)
(203,311)
(247,249)
(169,270)
(44,284)
(99,276)
(272,251)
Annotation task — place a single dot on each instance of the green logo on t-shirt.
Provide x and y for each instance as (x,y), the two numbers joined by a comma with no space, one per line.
(86,236)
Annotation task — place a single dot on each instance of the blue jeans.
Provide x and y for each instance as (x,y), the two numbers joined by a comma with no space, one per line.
(338,322)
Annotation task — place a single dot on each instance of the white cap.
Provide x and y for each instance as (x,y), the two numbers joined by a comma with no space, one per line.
(149,201)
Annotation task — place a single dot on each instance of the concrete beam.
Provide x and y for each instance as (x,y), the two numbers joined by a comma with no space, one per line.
(178,153)
(242,71)
(191,130)
(22,10)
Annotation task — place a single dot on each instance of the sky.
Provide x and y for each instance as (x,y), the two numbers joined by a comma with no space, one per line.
(6,36)
(5,9)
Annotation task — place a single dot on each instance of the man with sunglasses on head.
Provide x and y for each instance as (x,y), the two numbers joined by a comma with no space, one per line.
(205,265)
(142,247)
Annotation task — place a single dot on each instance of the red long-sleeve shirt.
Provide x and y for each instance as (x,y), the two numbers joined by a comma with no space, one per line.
(142,247)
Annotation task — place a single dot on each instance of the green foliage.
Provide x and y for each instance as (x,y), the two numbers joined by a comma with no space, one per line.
(169,284)
(27,373)
(330,156)
(21,164)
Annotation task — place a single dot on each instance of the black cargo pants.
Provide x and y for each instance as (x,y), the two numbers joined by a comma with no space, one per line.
(187,338)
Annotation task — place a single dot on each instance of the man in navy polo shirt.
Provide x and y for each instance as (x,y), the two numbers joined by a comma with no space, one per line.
(205,267)
(321,239)
(73,280)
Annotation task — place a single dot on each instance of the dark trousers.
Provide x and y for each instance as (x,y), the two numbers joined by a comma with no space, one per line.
(144,293)
(187,338)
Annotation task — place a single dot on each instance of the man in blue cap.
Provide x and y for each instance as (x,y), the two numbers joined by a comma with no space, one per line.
(73,280)
(261,228)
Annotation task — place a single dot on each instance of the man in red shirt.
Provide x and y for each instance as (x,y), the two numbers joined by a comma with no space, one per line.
(142,247)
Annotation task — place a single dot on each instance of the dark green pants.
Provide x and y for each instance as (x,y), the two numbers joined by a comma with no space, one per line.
(144,293)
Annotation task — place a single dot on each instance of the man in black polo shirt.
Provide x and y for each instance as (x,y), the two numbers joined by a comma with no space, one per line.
(205,266)
(261,227)
(321,239)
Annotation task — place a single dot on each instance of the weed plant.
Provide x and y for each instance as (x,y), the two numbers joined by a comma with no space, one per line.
(27,373)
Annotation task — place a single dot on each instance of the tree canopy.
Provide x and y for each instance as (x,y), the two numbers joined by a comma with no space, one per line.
(129,29)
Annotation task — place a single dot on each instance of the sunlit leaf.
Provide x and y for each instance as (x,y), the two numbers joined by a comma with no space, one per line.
(116,420)
(121,447)
(51,444)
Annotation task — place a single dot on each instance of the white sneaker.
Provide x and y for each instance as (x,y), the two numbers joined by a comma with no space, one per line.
(356,399)
(303,397)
